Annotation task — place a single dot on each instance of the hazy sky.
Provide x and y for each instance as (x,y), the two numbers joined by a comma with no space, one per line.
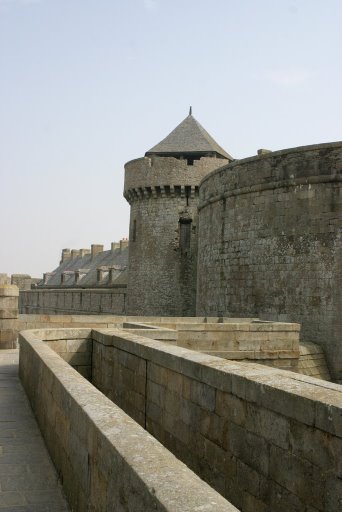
(86,85)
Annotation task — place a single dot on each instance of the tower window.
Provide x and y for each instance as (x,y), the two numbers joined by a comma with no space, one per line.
(134,231)
(184,235)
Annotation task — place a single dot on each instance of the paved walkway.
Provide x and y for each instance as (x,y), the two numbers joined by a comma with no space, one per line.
(28,480)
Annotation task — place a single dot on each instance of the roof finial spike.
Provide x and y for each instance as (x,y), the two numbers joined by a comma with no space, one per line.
(190,111)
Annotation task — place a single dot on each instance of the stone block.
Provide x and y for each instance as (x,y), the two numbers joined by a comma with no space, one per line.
(8,312)
(8,335)
(297,476)
(79,345)
(252,504)
(9,290)
(265,423)
(59,346)
(203,395)
(7,324)
(76,358)
(253,450)
(333,495)
(230,407)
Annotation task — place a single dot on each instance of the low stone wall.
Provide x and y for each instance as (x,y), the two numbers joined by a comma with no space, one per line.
(142,323)
(73,345)
(264,438)
(105,460)
(74,301)
(271,343)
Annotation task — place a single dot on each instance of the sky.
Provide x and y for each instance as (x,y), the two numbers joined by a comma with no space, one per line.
(87,85)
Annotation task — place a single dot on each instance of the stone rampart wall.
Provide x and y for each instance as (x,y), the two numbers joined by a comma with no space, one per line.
(266,439)
(270,243)
(74,301)
(105,460)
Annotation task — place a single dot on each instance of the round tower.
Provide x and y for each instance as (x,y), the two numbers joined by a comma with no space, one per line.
(162,190)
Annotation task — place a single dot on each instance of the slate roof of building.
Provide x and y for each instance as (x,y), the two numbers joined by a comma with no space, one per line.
(117,259)
(188,137)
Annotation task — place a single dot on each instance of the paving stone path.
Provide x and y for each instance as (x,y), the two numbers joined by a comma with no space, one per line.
(28,479)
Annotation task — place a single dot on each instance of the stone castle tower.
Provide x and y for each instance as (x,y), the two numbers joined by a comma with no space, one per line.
(162,190)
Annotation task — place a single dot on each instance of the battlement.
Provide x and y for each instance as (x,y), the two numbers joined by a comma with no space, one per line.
(149,175)
(304,165)
(163,191)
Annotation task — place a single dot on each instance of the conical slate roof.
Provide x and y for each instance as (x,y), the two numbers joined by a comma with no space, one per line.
(189,137)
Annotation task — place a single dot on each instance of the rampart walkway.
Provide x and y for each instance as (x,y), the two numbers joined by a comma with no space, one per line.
(28,480)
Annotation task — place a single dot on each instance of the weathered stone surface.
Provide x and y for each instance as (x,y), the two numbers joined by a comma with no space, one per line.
(270,242)
(106,460)
(163,195)
(8,316)
(260,436)
(74,301)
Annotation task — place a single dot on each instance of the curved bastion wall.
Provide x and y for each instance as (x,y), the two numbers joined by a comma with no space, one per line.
(270,242)
(162,262)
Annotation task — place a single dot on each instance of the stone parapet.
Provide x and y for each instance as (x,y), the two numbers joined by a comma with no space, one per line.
(104,458)
(272,343)
(319,163)
(266,439)
(162,191)
(8,316)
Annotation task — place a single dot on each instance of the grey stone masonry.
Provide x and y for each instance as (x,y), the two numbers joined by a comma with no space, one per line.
(266,439)
(162,262)
(107,461)
(74,301)
(270,243)
(8,316)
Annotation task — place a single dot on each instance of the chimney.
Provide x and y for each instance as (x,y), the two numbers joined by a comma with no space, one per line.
(75,253)
(123,243)
(114,246)
(66,255)
(96,249)
(84,252)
